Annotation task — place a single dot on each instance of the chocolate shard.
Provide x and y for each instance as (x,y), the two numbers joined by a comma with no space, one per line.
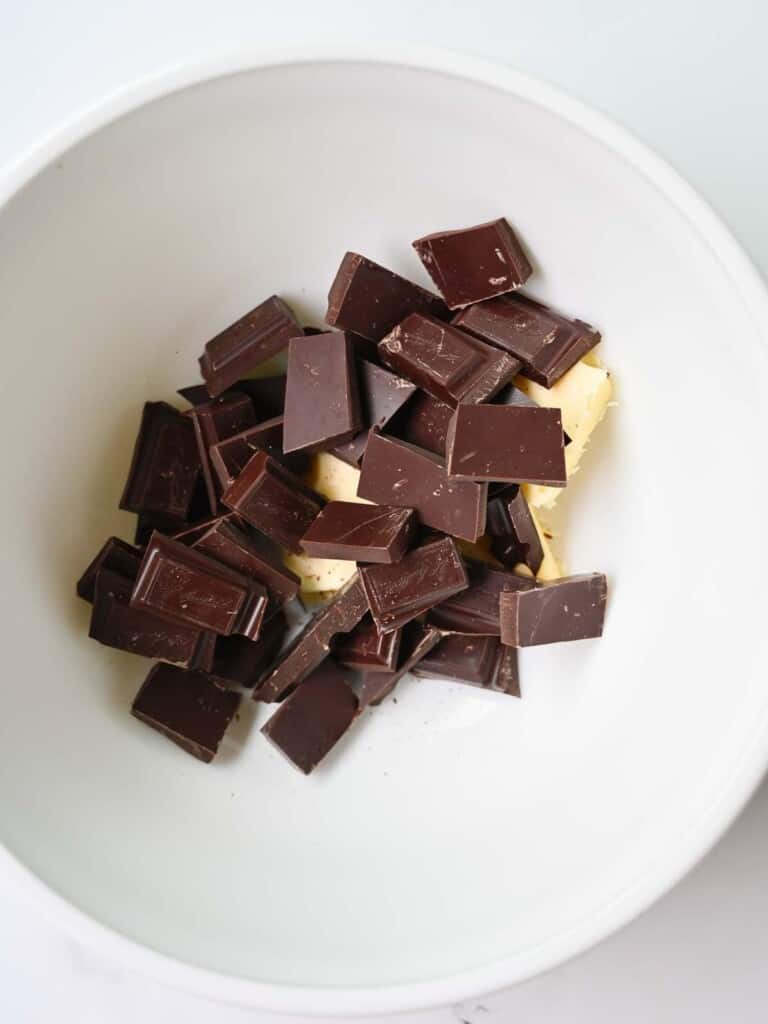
(184,585)
(236,659)
(115,624)
(251,555)
(313,643)
(477,660)
(396,473)
(417,641)
(450,364)
(313,719)
(366,649)
(476,609)
(511,443)
(188,707)
(369,299)
(247,343)
(230,457)
(214,421)
(360,533)
(426,576)
(547,343)
(382,394)
(474,263)
(266,393)
(165,465)
(322,404)
(571,608)
(424,422)
(512,529)
(271,498)
(116,556)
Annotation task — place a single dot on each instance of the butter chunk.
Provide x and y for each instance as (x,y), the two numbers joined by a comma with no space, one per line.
(320,574)
(582,395)
(334,479)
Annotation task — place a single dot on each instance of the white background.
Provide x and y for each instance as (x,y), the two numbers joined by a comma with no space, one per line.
(688,76)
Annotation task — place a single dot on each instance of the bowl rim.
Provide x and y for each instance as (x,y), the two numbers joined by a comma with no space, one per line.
(735,789)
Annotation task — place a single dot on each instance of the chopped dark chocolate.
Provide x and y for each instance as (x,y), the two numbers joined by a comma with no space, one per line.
(513,530)
(477,660)
(266,393)
(247,343)
(165,465)
(396,473)
(230,457)
(314,718)
(215,421)
(367,649)
(476,609)
(417,641)
(188,707)
(571,608)
(424,422)
(369,299)
(474,263)
(271,498)
(381,395)
(507,442)
(115,556)
(360,533)
(547,343)
(236,659)
(322,404)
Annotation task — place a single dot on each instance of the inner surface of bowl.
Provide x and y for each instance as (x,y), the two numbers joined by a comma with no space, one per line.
(454,827)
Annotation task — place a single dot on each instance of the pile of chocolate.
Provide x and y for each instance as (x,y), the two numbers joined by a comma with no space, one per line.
(417,392)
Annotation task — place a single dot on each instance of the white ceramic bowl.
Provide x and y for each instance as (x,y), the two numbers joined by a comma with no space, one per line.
(459,841)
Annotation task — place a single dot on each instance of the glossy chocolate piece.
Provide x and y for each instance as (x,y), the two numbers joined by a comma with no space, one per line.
(513,531)
(450,364)
(185,585)
(313,643)
(477,660)
(271,498)
(115,556)
(251,555)
(188,707)
(115,624)
(266,393)
(571,608)
(230,457)
(425,577)
(547,343)
(360,533)
(396,473)
(366,649)
(215,421)
(165,466)
(417,641)
(247,343)
(322,404)
(313,719)
(236,659)
(476,609)
(424,422)
(512,443)
(382,394)
(369,299)
(474,263)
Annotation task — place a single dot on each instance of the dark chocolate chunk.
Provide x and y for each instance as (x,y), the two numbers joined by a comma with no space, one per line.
(230,457)
(360,533)
(381,395)
(313,643)
(426,576)
(369,299)
(322,405)
(165,465)
(507,442)
(236,659)
(185,585)
(512,529)
(396,473)
(189,708)
(547,343)
(475,263)
(215,421)
(247,343)
(116,556)
(477,660)
(367,649)
(450,364)
(271,498)
(266,393)
(417,641)
(314,718)
(476,609)
(424,422)
(571,608)
(115,624)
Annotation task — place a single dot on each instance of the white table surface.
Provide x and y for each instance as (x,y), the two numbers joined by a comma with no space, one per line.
(688,76)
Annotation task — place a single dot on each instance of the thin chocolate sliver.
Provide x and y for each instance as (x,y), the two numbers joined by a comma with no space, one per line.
(382,394)
(417,641)
(366,649)
(215,421)
(476,609)
(571,608)
(360,533)
(230,457)
(514,537)
(116,556)
(322,404)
